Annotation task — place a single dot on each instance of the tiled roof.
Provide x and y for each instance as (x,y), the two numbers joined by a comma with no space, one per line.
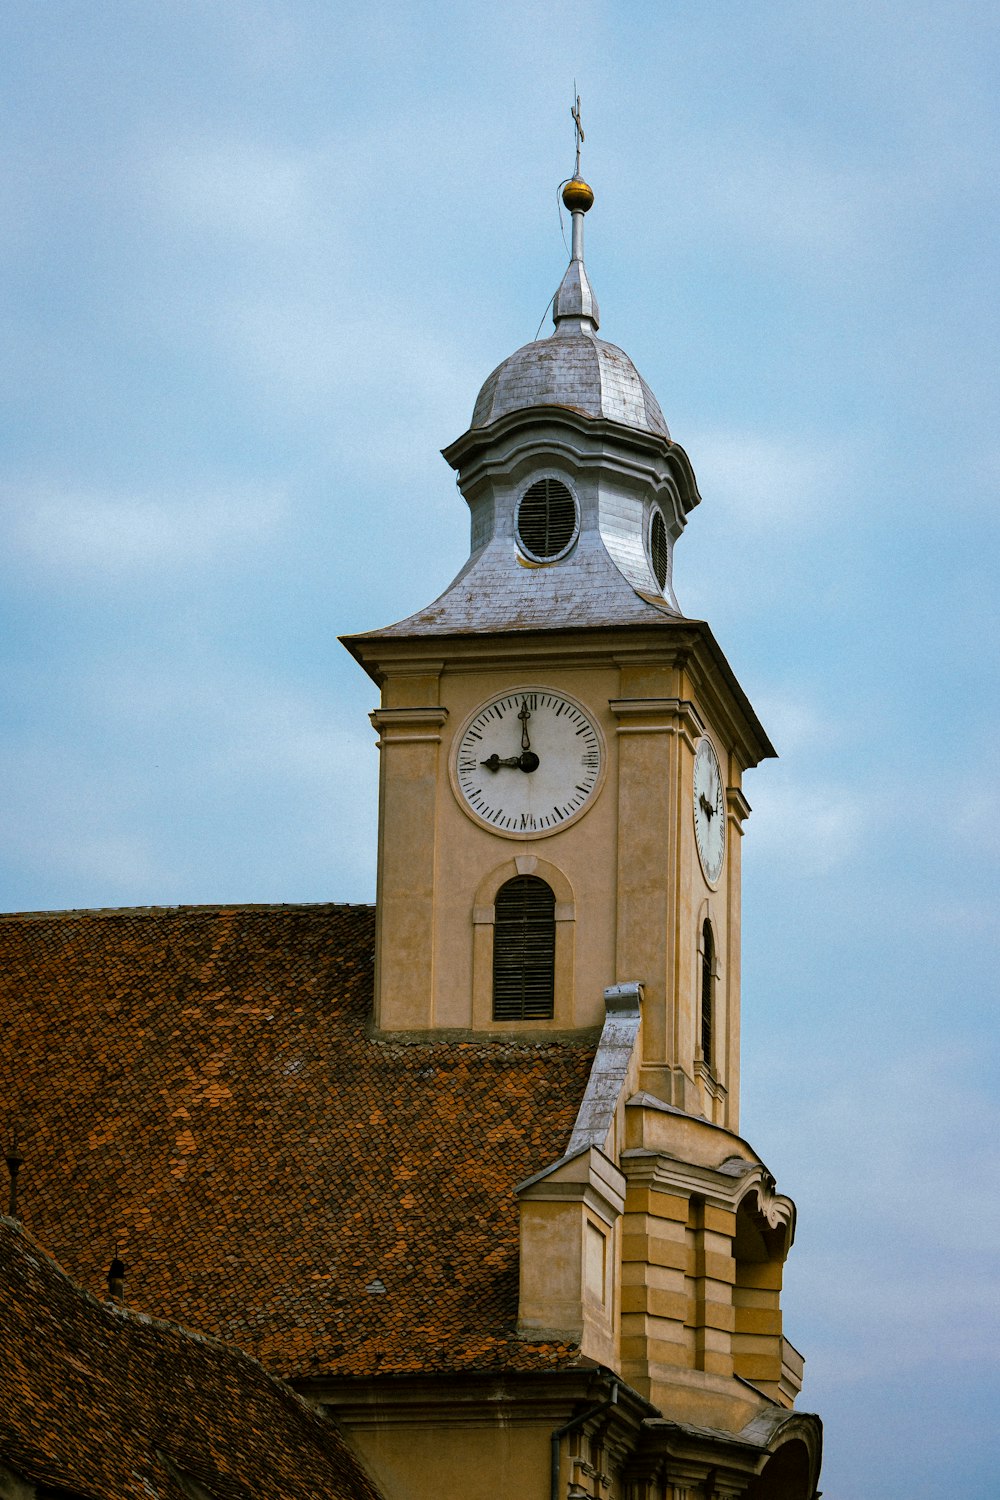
(106,1403)
(198,1084)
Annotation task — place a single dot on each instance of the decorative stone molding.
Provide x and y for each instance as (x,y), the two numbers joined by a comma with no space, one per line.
(526,864)
(738,808)
(406,725)
(658,716)
(728,1186)
(777,1211)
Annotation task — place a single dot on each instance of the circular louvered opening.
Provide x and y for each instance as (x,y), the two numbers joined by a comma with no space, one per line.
(546,519)
(659,548)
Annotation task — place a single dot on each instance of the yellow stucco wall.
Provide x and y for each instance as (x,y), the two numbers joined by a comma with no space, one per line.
(631,893)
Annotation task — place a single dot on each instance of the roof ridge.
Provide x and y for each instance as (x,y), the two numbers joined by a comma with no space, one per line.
(175,1338)
(210,906)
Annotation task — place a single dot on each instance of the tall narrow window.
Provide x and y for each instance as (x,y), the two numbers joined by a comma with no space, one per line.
(707,987)
(659,547)
(524,950)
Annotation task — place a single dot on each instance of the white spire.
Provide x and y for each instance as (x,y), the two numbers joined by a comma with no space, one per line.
(574,307)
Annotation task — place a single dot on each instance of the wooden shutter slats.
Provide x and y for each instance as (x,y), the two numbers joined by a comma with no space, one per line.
(524,950)
(707,986)
(546,518)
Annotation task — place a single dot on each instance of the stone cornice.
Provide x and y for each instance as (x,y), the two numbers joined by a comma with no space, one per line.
(738,808)
(732,1458)
(408,725)
(586,1176)
(687,644)
(600,432)
(658,716)
(725,1187)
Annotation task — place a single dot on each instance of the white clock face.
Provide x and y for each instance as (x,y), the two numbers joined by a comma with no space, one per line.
(709,810)
(528,763)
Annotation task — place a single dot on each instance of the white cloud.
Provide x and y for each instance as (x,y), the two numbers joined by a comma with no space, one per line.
(939,1134)
(318,348)
(972,814)
(208,782)
(381,390)
(963,916)
(896,1150)
(233,187)
(74,824)
(246,729)
(810,828)
(794,723)
(122,860)
(782,198)
(766,483)
(83,536)
(890,1320)
(778,194)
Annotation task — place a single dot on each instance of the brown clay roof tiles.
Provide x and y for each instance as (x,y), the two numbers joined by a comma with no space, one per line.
(106,1403)
(199,1085)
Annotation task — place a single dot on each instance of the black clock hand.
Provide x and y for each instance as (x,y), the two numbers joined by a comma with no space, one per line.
(524,716)
(495,761)
(526,761)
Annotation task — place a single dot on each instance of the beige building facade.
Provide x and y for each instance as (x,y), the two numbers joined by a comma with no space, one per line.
(560,829)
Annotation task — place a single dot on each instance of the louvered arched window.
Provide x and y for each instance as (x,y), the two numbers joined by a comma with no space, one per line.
(659,548)
(524,950)
(707,987)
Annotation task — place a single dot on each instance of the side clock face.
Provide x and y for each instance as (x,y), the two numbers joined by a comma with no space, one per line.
(709,810)
(528,763)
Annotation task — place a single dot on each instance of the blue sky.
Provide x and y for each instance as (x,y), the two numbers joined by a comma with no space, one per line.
(257,259)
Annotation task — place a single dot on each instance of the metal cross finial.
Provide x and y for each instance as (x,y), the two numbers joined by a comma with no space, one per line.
(578,127)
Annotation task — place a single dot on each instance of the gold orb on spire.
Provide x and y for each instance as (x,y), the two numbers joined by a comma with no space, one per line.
(578,195)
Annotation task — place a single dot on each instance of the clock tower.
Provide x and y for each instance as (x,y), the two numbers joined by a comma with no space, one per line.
(562,749)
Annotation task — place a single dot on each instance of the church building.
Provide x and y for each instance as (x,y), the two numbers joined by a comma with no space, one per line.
(465,1169)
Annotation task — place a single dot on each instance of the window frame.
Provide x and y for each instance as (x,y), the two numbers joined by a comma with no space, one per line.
(554,477)
(483,929)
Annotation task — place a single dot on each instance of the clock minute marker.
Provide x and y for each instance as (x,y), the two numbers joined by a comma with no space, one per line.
(537,731)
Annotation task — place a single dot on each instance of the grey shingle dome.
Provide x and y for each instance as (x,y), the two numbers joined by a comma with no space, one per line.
(572,367)
(575,369)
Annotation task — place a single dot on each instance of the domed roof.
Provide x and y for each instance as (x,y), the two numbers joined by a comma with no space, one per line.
(574,369)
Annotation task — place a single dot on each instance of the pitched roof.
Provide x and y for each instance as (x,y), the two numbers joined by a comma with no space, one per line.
(198,1084)
(108,1403)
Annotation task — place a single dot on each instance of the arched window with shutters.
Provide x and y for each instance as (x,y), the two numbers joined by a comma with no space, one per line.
(707,990)
(524,950)
(659,548)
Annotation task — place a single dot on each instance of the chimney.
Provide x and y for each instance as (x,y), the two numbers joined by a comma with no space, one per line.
(116,1278)
(14,1163)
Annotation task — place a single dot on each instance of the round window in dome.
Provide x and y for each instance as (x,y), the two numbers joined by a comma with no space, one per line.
(659,548)
(546,519)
